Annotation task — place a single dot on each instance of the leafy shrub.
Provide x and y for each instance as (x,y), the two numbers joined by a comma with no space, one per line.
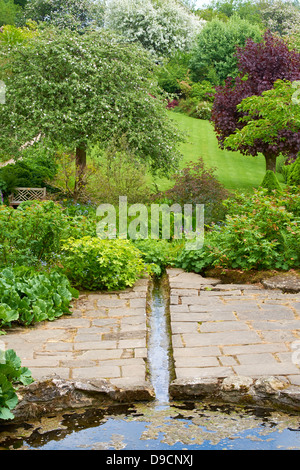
(27,297)
(260,232)
(172,72)
(197,184)
(159,254)
(95,264)
(293,177)
(202,91)
(121,173)
(36,169)
(11,374)
(203,110)
(270,182)
(31,233)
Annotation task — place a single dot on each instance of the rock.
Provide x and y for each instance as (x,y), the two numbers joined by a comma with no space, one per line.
(200,387)
(236,383)
(269,385)
(53,394)
(286,282)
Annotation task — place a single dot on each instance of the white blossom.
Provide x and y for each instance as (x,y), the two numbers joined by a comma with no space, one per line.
(161,26)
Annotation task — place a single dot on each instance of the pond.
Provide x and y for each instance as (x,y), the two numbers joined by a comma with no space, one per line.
(182,426)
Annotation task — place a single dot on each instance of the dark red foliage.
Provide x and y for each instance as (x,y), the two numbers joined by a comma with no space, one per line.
(197,184)
(260,65)
(172,104)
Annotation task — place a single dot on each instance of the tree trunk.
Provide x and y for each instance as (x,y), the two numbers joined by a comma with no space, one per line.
(270,162)
(80,170)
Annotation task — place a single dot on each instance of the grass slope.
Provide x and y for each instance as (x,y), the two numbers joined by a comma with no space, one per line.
(233,169)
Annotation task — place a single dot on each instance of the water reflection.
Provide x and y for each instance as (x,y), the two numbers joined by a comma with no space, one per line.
(179,426)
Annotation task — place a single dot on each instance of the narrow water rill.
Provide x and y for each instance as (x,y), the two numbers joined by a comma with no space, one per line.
(159,342)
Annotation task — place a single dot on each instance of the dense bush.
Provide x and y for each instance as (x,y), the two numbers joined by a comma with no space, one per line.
(197,184)
(36,169)
(11,375)
(31,233)
(293,176)
(260,232)
(173,71)
(158,254)
(28,297)
(95,264)
(270,182)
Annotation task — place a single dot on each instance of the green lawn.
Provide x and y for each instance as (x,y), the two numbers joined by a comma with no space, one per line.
(233,169)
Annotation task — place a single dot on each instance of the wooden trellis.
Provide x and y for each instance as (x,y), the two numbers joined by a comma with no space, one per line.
(26,194)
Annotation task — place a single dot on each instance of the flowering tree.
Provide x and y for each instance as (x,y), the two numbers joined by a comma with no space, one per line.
(279,16)
(260,66)
(72,14)
(161,26)
(79,90)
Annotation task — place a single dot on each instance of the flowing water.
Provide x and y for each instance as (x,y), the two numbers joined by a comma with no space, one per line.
(162,425)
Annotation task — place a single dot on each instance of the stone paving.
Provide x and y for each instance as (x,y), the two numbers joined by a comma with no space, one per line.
(220,330)
(217,331)
(104,338)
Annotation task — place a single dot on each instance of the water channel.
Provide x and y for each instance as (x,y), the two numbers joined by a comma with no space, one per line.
(163,425)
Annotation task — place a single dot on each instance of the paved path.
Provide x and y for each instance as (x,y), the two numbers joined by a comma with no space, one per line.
(217,330)
(221,330)
(104,338)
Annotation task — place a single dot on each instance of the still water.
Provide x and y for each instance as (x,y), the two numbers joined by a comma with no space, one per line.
(163,425)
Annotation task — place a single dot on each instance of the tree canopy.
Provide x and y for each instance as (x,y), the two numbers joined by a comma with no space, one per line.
(160,26)
(260,66)
(273,118)
(73,14)
(214,54)
(81,89)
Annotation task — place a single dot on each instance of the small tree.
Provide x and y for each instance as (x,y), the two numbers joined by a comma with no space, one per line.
(260,65)
(272,118)
(161,26)
(214,53)
(84,89)
(73,14)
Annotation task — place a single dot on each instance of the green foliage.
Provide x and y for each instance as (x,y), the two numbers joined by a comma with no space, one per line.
(260,232)
(270,182)
(27,297)
(30,234)
(216,47)
(158,254)
(11,375)
(36,169)
(202,91)
(276,110)
(173,71)
(195,184)
(95,264)
(80,90)
(12,35)
(293,177)
(72,14)
(121,173)
(9,12)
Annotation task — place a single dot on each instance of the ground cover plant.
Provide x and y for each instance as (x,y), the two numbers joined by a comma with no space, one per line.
(28,297)
(260,232)
(12,374)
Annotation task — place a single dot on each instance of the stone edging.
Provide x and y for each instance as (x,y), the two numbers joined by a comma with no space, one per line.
(266,391)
